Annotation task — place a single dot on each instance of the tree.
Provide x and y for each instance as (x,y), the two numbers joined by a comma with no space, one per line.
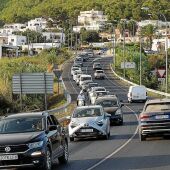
(148,31)
(89,36)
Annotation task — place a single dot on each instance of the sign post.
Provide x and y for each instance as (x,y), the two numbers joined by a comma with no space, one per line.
(33,83)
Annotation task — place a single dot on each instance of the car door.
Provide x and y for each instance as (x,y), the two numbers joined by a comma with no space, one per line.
(54,137)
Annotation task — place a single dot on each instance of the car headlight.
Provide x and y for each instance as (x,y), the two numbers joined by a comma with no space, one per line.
(73,124)
(35,145)
(100,122)
(118,112)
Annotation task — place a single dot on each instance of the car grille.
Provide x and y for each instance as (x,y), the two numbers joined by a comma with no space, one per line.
(14,148)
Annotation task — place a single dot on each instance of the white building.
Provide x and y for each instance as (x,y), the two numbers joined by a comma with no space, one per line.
(156,23)
(54,37)
(38,47)
(17,40)
(160,44)
(8,29)
(90,20)
(37,24)
(162,32)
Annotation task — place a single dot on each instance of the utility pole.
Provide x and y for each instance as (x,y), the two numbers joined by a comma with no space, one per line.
(113,46)
(140,64)
(124,71)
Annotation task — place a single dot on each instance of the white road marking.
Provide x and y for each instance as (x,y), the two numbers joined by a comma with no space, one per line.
(122,146)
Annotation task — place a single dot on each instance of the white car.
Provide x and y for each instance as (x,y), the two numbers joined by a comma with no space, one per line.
(84,78)
(75,69)
(89,121)
(99,74)
(137,93)
(96,94)
(75,73)
(93,89)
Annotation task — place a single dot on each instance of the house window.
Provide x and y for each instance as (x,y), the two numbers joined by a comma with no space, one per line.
(12,40)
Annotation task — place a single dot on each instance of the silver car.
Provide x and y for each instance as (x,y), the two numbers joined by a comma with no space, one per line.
(99,74)
(89,121)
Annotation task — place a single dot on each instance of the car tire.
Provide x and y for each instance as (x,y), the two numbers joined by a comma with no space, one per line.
(48,161)
(121,122)
(106,137)
(71,139)
(142,137)
(64,158)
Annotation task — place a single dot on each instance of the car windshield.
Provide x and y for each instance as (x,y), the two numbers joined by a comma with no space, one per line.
(85,78)
(87,112)
(107,103)
(100,89)
(21,125)
(157,107)
(99,71)
(99,93)
(92,85)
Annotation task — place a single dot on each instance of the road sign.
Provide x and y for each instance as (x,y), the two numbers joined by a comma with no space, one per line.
(33,83)
(128,65)
(161,80)
(57,73)
(161,73)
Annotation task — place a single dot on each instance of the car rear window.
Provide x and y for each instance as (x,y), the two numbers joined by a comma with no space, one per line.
(99,71)
(107,103)
(157,107)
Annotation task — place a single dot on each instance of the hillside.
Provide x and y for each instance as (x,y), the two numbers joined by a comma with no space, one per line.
(23,10)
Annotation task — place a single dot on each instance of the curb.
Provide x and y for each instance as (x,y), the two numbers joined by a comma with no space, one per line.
(131,83)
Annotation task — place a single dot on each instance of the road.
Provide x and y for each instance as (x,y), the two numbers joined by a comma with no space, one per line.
(123,151)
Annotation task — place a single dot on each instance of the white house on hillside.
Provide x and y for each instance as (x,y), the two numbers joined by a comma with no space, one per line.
(156,23)
(90,20)
(54,37)
(159,44)
(37,24)
(17,40)
(8,29)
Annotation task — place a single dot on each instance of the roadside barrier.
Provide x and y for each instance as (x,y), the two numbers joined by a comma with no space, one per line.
(131,83)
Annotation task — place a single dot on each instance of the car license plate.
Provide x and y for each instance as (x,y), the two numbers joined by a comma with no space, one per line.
(162,117)
(86,130)
(8,157)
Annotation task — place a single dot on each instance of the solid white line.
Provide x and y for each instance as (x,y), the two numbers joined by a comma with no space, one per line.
(118,149)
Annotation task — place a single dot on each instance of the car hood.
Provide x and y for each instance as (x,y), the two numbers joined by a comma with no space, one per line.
(110,109)
(19,138)
(85,120)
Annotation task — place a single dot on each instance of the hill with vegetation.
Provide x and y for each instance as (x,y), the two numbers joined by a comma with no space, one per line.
(61,10)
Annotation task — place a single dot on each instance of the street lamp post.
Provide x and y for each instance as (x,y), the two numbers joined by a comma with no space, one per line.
(140,63)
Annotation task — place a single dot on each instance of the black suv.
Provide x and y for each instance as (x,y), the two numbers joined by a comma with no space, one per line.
(32,140)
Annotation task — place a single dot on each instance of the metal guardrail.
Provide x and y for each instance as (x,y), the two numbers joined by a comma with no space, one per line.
(63,108)
(148,89)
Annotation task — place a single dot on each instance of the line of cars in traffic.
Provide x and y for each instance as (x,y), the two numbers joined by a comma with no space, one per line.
(154,118)
(102,108)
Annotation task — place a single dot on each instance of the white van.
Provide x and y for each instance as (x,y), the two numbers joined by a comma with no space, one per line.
(84,78)
(137,93)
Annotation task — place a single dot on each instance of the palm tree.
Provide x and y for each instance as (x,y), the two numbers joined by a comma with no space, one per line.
(148,31)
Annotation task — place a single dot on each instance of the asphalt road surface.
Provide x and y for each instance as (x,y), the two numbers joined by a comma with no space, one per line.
(123,150)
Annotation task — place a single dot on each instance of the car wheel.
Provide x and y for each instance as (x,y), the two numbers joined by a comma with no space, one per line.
(121,122)
(48,162)
(64,158)
(71,139)
(142,137)
(106,137)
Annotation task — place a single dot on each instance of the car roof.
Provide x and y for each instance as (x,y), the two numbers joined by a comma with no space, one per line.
(26,115)
(89,106)
(98,87)
(153,101)
(85,75)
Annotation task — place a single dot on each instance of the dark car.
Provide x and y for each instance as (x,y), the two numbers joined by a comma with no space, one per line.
(32,140)
(155,118)
(111,105)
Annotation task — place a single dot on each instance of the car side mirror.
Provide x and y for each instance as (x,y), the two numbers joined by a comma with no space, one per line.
(107,115)
(52,127)
(122,104)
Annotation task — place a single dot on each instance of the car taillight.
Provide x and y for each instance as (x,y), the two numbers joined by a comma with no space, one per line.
(144,116)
